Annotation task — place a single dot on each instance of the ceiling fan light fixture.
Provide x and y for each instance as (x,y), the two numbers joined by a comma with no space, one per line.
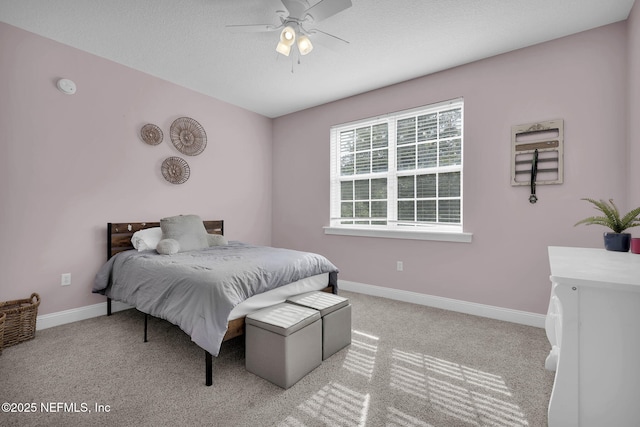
(288,36)
(304,45)
(283,48)
(294,17)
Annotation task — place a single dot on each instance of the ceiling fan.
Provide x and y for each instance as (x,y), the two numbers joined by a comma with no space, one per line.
(295,21)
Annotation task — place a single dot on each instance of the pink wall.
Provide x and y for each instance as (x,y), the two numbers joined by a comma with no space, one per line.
(633,49)
(581,79)
(70,164)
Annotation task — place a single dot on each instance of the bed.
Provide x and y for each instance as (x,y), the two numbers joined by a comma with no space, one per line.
(178,287)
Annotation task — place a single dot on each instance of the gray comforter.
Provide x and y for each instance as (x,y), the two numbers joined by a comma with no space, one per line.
(197,290)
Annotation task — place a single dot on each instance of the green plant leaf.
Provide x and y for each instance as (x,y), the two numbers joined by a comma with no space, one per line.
(615,216)
(595,220)
(631,219)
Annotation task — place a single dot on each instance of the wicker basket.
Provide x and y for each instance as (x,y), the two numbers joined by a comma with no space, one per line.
(2,317)
(20,320)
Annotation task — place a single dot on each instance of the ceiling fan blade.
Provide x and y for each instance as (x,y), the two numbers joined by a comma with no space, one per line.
(324,37)
(290,4)
(328,41)
(252,28)
(295,8)
(326,8)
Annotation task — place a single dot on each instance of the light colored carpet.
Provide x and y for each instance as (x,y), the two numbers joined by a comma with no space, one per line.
(408,365)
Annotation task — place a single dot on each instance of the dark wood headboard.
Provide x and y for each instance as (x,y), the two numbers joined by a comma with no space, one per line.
(119,234)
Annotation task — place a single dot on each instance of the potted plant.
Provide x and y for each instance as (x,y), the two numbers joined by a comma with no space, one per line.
(617,240)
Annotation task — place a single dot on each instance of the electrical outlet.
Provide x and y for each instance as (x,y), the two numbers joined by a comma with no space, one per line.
(400,266)
(65,280)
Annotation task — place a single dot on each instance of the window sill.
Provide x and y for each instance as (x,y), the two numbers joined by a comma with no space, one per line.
(442,236)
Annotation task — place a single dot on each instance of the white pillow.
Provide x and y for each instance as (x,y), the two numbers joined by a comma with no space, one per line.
(146,239)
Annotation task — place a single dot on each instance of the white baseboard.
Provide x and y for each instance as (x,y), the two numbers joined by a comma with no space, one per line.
(515,316)
(75,314)
(492,312)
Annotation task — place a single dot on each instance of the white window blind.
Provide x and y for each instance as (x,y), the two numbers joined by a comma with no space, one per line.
(399,170)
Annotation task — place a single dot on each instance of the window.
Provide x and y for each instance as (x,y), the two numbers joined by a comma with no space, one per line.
(402,171)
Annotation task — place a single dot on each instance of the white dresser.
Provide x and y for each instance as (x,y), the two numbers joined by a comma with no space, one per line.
(593,325)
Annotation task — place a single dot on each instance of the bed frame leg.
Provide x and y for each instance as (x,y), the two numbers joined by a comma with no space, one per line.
(146,317)
(333,282)
(209,369)
(108,306)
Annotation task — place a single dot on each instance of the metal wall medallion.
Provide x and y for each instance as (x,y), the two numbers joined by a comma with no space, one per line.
(175,170)
(151,134)
(188,136)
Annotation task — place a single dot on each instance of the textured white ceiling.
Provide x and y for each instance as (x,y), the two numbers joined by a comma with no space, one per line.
(186,42)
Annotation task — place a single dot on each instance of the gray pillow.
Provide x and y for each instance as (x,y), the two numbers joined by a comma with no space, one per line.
(168,247)
(216,239)
(187,230)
